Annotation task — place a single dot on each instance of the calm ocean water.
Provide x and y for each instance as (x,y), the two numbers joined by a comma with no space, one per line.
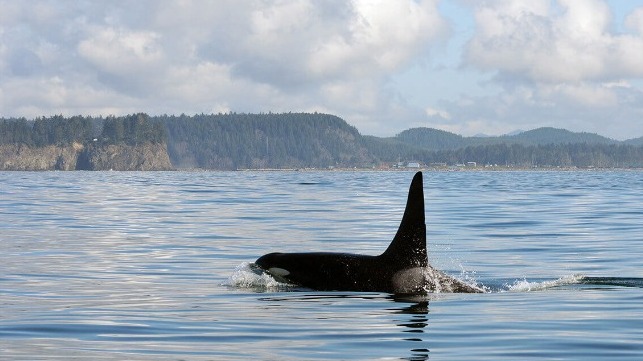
(154,266)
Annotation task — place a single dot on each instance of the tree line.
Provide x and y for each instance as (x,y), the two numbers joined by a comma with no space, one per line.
(267,140)
(55,130)
(60,131)
(550,155)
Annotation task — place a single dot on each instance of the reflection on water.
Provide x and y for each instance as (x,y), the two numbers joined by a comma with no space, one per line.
(349,323)
(141,266)
(418,313)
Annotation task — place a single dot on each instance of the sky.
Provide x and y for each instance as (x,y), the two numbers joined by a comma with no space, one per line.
(470,67)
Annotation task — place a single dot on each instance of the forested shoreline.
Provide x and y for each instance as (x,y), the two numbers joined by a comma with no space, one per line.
(286,140)
(133,142)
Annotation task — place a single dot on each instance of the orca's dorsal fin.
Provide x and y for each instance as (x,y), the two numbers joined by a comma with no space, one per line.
(408,248)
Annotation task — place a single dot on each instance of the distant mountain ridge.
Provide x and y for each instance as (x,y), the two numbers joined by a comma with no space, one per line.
(435,139)
(635,141)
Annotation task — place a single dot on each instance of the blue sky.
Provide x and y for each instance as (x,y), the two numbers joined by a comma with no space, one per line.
(465,66)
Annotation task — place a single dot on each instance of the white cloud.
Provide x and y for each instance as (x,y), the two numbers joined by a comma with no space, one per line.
(634,21)
(559,63)
(596,95)
(611,109)
(194,56)
(552,60)
(122,52)
(389,33)
(432,112)
(551,42)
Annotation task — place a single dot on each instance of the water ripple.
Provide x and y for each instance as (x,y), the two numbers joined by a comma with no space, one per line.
(147,266)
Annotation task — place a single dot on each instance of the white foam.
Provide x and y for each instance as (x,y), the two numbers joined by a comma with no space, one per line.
(439,282)
(526,286)
(246,275)
(471,278)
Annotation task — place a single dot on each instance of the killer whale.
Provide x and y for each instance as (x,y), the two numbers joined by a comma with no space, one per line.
(403,268)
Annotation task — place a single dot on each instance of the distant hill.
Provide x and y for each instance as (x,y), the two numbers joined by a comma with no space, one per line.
(239,141)
(391,150)
(635,142)
(542,136)
(434,139)
(515,132)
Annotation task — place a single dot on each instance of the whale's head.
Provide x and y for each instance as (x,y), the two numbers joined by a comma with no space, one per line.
(276,264)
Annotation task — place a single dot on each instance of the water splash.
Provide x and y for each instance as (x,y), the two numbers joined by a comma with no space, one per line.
(471,278)
(436,281)
(247,275)
(526,286)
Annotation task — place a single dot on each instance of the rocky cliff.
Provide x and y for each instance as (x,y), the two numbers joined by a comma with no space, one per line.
(22,157)
(148,156)
(144,157)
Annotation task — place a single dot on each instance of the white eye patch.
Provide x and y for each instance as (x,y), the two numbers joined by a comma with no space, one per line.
(279,272)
